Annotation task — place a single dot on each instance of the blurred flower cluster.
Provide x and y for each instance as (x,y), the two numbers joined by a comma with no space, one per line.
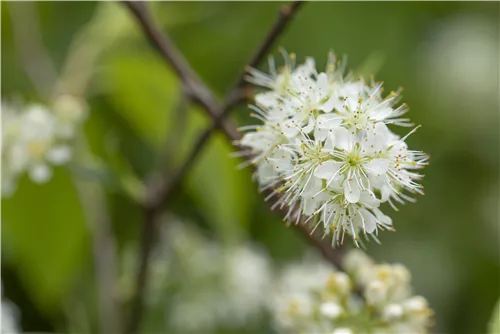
(325,149)
(369,298)
(203,285)
(36,136)
(10,316)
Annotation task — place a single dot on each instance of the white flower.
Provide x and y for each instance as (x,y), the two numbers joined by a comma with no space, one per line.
(336,304)
(292,299)
(358,264)
(202,286)
(330,310)
(362,106)
(69,111)
(342,331)
(36,137)
(325,150)
(376,292)
(393,312)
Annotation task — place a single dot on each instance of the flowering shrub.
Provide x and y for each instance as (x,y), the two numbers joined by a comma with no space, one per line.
(369,298)
(325,148)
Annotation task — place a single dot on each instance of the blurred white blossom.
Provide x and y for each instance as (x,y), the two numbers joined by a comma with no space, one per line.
(10,317)
(36,136)
(326,150)
(203,285)
(371,298)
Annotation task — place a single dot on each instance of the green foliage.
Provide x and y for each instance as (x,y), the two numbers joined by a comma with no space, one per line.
(227,194)
(144,92)
(46,234)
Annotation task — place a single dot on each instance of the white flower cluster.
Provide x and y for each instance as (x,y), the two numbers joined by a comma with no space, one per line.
(36,136)
(324,148)
(370,298)
(203,286)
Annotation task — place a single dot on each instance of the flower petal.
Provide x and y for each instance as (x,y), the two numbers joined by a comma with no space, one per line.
(40,173)
(369,219)
(289,128)
(329,121)
(369,198)
(59,155)
(377,166)
(342,138)
(352,192)
(327,169)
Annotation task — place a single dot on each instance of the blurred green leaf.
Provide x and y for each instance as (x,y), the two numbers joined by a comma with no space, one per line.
(46,230)
(371,65)
(494,325)
(146,94)
(222,192)
(143,91)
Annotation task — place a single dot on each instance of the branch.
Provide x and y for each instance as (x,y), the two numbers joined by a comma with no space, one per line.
(146,247)
(195,87)
(169,52)
(286,14)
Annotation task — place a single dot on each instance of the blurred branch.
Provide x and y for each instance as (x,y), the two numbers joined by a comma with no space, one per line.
(149,228)
(159,193)
(29,44)
(105,256)
(195,87)
(285,15)
(154,190)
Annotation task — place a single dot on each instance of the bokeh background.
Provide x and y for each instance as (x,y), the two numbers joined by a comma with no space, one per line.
(444,54)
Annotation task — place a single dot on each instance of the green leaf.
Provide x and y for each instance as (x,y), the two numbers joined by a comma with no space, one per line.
(44,227)
(494,324)
(143,91)
(223,192)
(146,95)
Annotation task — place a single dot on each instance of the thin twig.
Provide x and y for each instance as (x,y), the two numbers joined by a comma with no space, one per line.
(195,87)
(146,247)
(286,14)
(151,208)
